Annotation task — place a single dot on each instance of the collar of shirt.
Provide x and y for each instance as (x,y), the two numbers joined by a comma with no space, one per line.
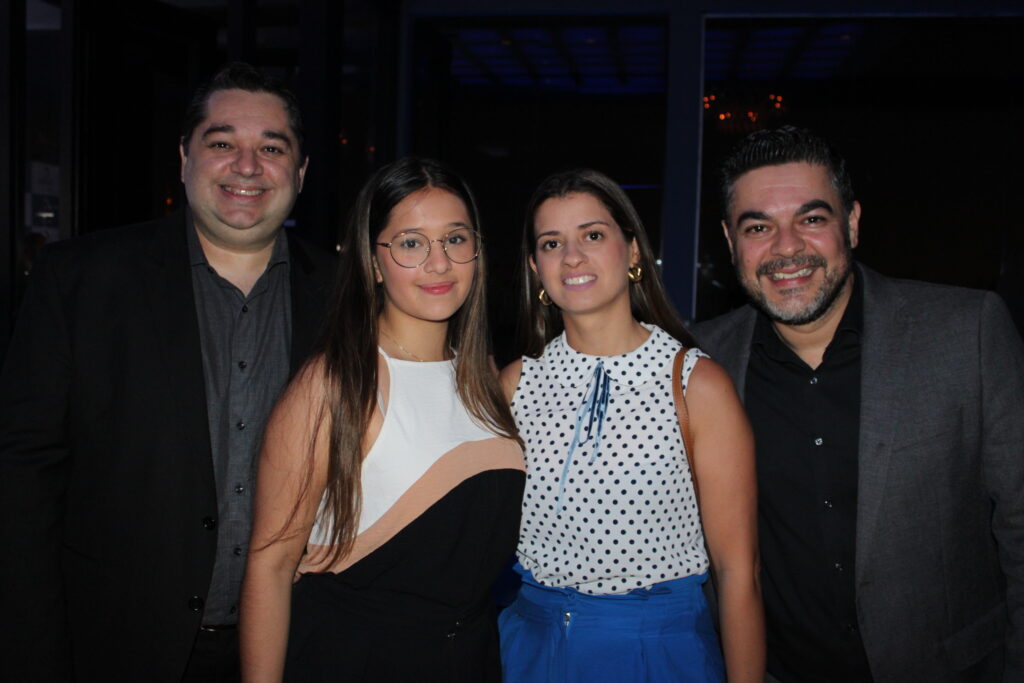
(846,338)
(633,368)
(197,257)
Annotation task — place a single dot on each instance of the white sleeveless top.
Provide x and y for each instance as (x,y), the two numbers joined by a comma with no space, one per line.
(621,513)
(424,420)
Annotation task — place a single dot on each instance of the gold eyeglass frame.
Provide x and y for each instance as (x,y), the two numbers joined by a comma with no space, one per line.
(441,239)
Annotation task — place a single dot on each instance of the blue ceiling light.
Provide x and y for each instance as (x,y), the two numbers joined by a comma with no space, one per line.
(803,52)
(584,59)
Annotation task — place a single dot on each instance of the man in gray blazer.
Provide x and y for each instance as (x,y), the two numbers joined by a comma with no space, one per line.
(889,419)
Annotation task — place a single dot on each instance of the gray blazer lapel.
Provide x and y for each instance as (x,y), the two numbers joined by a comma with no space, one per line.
(885,355)
(727,340)
(737,352)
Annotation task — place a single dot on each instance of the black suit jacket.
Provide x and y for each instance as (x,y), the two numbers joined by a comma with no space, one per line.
(107,495)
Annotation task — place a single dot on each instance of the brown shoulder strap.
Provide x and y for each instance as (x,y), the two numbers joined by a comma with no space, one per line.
(684,416)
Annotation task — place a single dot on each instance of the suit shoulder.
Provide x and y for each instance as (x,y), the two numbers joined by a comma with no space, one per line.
(314,251)
(932,290)
(935,299)
(952,316)
(313,257)
(723,324)
(105,248)
(102,241)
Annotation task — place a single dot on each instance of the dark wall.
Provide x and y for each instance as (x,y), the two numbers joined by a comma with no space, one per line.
(930,125)
(926,111)
(137,69)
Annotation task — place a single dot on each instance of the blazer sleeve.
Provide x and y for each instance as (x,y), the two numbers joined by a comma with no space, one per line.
(34,463)
(1002,411)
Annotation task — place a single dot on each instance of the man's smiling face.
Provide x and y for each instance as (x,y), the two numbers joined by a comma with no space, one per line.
(790,240)
(242,169)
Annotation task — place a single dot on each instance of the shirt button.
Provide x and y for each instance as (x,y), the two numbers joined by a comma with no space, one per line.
(814,380)
(827,504)
(245,309)
(838,566)
(242,365)
(195,603)
(237,551)
(241,426)
(234,608)
(239,489)
(817,442)
(209,523)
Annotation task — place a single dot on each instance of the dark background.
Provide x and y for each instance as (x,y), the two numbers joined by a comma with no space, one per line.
(925,105)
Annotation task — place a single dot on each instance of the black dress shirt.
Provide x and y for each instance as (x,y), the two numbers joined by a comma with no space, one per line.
(807,424)
(246,342)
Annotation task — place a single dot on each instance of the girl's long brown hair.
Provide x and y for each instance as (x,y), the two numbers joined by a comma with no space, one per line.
(348,347)
(648,301)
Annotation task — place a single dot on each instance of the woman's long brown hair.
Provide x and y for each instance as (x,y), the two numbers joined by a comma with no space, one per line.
(348,346)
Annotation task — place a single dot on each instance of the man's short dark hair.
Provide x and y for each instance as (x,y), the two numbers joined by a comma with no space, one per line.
(240,76)
(785,145)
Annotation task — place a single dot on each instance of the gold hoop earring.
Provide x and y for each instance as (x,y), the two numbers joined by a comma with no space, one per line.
(635,273)
(545,300)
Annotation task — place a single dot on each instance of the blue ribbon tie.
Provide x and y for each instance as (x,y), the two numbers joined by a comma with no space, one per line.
(592,410)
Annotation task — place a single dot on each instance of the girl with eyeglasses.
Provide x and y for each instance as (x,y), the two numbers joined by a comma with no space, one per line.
(612,543)
(391,475)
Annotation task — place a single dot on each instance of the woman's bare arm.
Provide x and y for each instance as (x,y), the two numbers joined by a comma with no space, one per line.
(724,464)
(287,498)
(509,378)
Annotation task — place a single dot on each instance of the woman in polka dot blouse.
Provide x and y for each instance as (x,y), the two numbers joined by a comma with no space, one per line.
(612,545)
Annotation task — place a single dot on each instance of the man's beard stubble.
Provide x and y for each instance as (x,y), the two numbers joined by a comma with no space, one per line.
(823,299)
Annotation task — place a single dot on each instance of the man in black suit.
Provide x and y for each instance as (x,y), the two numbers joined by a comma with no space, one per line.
(144,364)
(890,438)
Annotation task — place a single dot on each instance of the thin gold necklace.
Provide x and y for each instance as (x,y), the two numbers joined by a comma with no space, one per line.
(399,344)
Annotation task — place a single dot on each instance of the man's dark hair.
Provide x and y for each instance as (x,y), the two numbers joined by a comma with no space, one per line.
(240,76)
(785,145)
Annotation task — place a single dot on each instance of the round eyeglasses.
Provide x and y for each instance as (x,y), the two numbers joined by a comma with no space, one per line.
(410,249)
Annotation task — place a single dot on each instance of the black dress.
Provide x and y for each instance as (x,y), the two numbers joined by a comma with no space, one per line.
(412,600)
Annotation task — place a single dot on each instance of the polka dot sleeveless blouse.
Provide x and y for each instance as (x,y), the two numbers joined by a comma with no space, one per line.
(609,504)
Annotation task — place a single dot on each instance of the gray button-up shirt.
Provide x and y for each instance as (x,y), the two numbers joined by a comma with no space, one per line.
(246,342)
